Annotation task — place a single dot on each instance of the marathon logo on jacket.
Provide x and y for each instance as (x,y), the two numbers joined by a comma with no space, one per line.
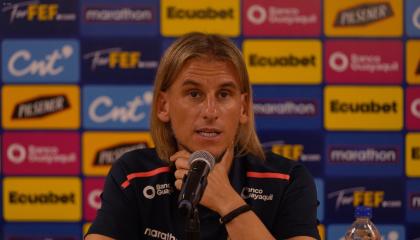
(42,199)
(363,18)
(118,61)
(117,107)
(412,18)
(35,61)
(278,107)
(41,153)
(413,201)
(40,107)
(285,18)
(179,17)
(283,61)
(38,17)
(376,62)
(92,189)
(156,234)
(412,108)
(102,149)
(41,231)
(372,108)
(129,18)
(412,154)
(413,61)
(384,195)
(367,154)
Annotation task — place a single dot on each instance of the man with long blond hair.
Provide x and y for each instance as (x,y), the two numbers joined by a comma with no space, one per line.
(203,101)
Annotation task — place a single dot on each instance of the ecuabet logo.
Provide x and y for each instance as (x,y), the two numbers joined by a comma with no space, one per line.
(33,61)
(412,108)
(41,153)
(287,18)
(364,62)
(40,107)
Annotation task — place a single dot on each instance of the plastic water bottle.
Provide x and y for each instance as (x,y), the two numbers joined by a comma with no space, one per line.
(362,228)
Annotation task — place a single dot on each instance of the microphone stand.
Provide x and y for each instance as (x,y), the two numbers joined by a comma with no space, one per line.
(192,225)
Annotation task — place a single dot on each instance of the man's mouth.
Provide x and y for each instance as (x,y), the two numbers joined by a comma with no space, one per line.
(208,132)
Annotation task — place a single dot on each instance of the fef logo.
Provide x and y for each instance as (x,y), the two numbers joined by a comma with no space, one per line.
(285,18)
(412,18)
(102,149)
(412,154)
(92,189)
(34,61)
(413,201)
(179,17)
(413,61)
(40,107)
(41,153)
(38,16)
(363,18)
(283,61)
(117,107)
(363,108)
(412,108)
(376,62)
(42,199)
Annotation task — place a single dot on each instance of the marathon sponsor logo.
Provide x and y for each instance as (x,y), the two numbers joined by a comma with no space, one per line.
(338,106)
(361,196)
(363,14)
(255,194)
(291,60)
(47,198)
(373,63)
(365,155)
(150,192)
(415,153)
(124,114)
(49,154)
(173,13)
(41,107)
(106,157)
(36,11)
(414,201)
(129,14)
(285,108)
(159,234)
(117,58)
(258,15)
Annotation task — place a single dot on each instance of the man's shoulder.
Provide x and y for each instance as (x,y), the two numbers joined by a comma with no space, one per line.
(145,159)
(273,162)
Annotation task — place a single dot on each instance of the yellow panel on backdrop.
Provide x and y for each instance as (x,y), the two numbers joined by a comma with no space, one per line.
(412,154)
(413,61)
(42,199)
(212,16)
(102,149)
(363,108)
(363,18)
(283,61)
(41,107)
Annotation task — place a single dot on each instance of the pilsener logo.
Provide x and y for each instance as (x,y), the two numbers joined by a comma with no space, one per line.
(363,14)
(101,149)
(42,199)
(209,16)
(41,106)
(413,61)
(372,108)
(40,61)
(297,62)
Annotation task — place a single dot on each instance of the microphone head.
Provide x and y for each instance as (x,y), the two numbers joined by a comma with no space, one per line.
(203,155)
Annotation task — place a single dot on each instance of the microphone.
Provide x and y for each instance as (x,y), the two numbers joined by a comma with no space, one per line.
(195,181)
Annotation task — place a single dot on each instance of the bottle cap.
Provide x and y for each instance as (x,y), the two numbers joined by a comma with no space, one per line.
(362,211)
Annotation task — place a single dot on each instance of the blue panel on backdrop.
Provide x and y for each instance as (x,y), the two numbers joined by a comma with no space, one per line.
(412,18)
(366,154)
(303,146)
(413,201)
(384,195)
(40,18)
(119,18)
(387,231)
(131,61)
(287,108)
(41,231)
(413,231)
(116,107)
(320,193)
(40,60)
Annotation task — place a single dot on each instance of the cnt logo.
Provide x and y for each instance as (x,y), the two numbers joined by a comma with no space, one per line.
(363,14)
(258,15)
(36,11)
(416,18)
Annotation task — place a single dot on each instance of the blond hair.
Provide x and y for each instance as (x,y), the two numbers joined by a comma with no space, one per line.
(200,45)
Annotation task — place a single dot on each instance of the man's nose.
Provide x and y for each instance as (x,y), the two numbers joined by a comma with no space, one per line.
(211,106)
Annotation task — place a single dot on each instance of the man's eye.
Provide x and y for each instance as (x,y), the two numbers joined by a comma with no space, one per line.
(194,94)
(224,94)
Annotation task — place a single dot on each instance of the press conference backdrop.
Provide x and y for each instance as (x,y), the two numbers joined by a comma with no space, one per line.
(336,86)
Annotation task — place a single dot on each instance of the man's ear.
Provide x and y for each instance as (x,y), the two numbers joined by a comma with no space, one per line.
(244,108)
(163,107)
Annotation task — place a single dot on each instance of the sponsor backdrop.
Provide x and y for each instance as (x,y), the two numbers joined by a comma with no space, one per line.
(336,86)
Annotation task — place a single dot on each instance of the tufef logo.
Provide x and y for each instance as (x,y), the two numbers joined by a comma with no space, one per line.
(363,14)
(412,155)
(40,107)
